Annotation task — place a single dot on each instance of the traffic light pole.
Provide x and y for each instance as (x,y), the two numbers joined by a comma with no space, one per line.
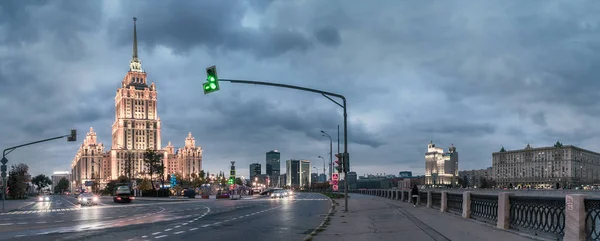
(4,161)
(326,95)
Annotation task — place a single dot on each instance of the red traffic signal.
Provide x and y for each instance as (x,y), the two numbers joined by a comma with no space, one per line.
(339,162)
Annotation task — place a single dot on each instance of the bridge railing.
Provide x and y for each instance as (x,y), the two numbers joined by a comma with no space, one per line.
(570,217)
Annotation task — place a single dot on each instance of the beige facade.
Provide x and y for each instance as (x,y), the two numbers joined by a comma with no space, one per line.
(546,166)
(86,165)
(136,129)
(441,168)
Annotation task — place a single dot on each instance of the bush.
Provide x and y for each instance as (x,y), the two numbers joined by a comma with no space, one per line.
(153,193)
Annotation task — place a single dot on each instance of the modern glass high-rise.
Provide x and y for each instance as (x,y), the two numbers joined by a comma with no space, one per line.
(254,171)
(273,167)
(298,173)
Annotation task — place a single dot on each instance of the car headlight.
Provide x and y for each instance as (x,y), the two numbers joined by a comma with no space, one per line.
(41,199)
(47,198)
(84,199)
(95,199)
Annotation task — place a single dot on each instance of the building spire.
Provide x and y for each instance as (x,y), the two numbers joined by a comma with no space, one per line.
(135,64)
(135,51)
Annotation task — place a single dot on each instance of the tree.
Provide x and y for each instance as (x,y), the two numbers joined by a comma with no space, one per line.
(152,159)
(239,181)
(17,179)
(145,185)
(41,181)
(62,185)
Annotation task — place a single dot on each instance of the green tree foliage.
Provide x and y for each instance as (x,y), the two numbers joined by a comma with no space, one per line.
(145,185)
(239,181)
(153,161)
(62,185)
(41,181)
(16,181)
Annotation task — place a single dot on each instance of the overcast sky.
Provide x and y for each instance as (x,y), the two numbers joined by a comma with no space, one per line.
(476,74)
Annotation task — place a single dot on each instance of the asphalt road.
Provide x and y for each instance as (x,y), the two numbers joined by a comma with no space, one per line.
(255,219)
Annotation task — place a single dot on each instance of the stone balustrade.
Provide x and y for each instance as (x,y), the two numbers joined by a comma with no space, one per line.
(572,217)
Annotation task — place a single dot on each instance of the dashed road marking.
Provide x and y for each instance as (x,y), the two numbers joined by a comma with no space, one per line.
(161,236)
(156,233)
(179,232)
(192,229)
(168,229)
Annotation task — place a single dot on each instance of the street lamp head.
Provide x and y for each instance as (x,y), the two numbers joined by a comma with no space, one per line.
(319,157)
(322,132)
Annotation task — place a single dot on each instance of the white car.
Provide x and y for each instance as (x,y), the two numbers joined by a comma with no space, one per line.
(279,194)
(44,198)
(87,199)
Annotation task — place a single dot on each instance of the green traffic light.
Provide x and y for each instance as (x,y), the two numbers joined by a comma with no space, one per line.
(213,86)
(211,78)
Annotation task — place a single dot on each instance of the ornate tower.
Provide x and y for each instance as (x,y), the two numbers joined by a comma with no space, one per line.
(190,157)
(137,125)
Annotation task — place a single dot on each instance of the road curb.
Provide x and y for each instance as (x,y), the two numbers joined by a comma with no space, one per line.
(322,225)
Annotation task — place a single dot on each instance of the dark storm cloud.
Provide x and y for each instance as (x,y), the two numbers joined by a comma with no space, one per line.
(257,115)
(456,128)
(328,36)
(182,25)
(539,119)
(26,20)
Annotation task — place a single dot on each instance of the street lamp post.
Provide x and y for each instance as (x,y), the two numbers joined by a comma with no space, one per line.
(330,153)
(324,168)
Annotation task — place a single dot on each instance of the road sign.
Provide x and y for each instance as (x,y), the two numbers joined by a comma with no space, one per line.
(3,168)
(335,188)
(3,174)
(334,182)
(89,183)
(335,176)
(232,172)
(4,160)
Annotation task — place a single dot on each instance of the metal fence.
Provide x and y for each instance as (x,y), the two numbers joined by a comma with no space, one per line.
(484,208)
(423,198)
(592,219)
(436,199)
(455,203)
(541,216)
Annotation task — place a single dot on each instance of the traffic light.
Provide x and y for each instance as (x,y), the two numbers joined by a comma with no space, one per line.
(339,162)
(230,181)
(212,80)
(73,136)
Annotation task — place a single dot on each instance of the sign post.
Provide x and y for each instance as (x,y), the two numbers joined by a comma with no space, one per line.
(335,177)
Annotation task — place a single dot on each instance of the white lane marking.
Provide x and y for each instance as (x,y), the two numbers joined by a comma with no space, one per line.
(144,236)
(178,226)
(156,233)
(179,232)
(59,221)
(6,224)
(20,235)
(161,236)
(41,222)
(168,229)
(205,225)
(192,229)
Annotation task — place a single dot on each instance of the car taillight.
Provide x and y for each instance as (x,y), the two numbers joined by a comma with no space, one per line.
(118,198)
(131,198)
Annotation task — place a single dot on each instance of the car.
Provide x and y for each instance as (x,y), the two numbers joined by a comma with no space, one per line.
(44,198)
(88,199)
(123,194)
(279,194)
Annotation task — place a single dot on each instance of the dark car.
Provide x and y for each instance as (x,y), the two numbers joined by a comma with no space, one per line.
(123,194)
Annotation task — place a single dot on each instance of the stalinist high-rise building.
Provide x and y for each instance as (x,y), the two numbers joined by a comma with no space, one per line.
(137,128)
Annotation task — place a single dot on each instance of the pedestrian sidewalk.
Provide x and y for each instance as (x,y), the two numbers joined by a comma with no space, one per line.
(11,205)
(373,218)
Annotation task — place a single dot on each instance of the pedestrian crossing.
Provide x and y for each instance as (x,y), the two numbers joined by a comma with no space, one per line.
(41,211)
